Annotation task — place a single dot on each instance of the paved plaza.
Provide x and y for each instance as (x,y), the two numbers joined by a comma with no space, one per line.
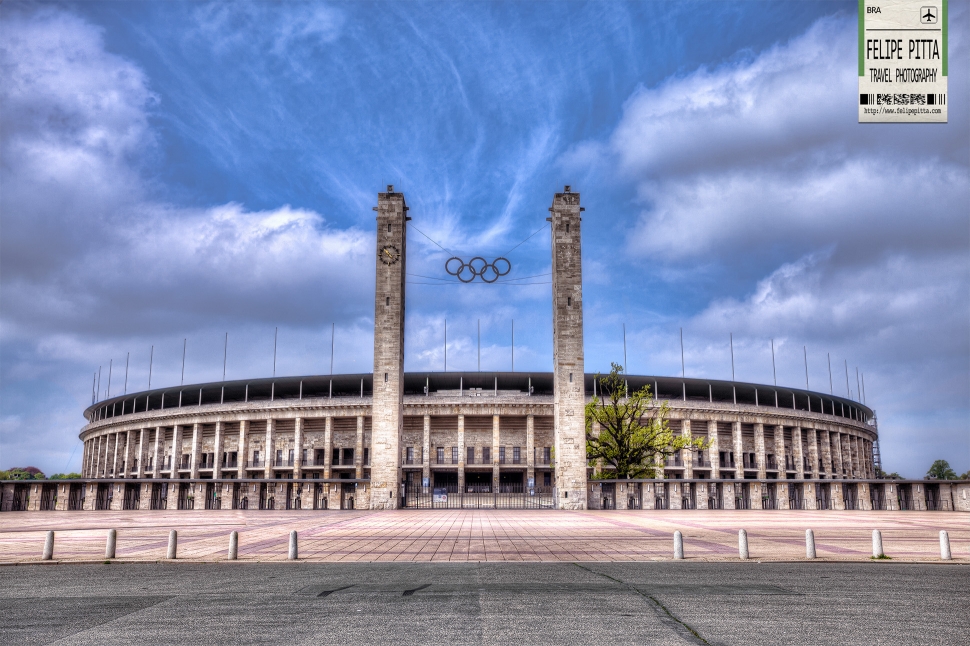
(485,536)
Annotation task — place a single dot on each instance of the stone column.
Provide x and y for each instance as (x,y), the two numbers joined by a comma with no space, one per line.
(780,452)
(835,438)
(426,449)
(270,448)
(530,448)
(825,442)
(813,452)
(328,448)
(359,449)
(387,420)
(461,451)
(176,450)
(298,450)
(217,452)
(738,450)
(798,454)
(687,455)
(854,452)
(114,462)
(194,451)
(243,452)
(759,452)
(712,451)
(569,398)
(125,455)
(102,469)
(496,442)
(141,453)
(156,453)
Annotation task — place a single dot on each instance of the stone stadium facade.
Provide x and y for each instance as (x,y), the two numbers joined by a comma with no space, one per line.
(389,439)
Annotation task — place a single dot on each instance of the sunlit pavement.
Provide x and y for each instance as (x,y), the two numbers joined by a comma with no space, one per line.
(487,536)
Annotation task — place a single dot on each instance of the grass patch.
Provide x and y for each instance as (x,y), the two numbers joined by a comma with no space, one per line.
(881,557)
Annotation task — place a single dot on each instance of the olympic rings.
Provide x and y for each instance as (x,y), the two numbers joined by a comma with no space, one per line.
(477,267)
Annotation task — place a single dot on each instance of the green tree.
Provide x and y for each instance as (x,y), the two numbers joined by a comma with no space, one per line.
(65,476)
(887,476)
(633,429)
(941,471)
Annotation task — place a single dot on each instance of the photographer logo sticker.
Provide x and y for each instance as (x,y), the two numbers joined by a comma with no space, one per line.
(903,61)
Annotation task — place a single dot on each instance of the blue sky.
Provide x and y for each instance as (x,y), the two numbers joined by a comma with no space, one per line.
(178,171)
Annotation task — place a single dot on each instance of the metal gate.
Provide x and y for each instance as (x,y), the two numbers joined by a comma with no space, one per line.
(609,495)
(688,497)
(877,497)
(634,496)
(768,496)
(103,500)
(212,500)
(75,499)
(714,496)
(850,495)
(132,496)
(159,495)
(822,496)
(795,496)
(478,497)
(48,497)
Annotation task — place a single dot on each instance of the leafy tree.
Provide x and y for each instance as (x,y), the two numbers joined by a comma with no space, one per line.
(888,476)
(965,476)
(634,433)
(65,476)
(941,471)
(24,473)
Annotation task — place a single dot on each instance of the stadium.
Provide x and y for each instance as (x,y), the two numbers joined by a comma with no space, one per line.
(391,439)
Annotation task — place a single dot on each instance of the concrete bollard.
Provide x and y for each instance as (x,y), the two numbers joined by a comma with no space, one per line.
(48,547)
(678,545)
(945,546)
(809,544)
(111,544)
(173,543)
(233,545)
(293,555)
(743,544)
(877,544)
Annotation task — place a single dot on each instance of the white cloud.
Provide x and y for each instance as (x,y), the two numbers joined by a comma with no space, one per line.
(858,232)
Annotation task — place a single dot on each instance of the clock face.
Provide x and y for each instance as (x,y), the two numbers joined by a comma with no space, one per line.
(389,254)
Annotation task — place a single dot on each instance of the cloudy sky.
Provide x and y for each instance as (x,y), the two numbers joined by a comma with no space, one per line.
(177,171)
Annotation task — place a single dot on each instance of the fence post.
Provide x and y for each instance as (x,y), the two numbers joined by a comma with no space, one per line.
(109,548)
(809,544)
(293,550)
(48,547)
(945,546)
(233,545)
(743,544)
(173,541)
(877,544)
(678,545)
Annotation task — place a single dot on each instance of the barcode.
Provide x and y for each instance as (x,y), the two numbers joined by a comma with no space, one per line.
(902,99)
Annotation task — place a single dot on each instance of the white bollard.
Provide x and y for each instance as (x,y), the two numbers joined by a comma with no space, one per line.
(48,547)
(233,545)
(877,544)
(743,544)
(293,551)
(678,545)
(173,542)
(945,546)
(112,542)
(809,544)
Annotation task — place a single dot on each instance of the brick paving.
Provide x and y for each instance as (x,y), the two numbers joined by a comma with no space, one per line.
(470,536)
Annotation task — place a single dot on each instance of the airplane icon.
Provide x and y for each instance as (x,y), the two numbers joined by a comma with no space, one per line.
(928,16)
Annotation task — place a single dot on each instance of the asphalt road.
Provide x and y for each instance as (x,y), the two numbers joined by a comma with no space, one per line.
(469,603)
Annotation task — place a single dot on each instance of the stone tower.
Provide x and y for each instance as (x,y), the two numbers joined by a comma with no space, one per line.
(567,351)
(388,404)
